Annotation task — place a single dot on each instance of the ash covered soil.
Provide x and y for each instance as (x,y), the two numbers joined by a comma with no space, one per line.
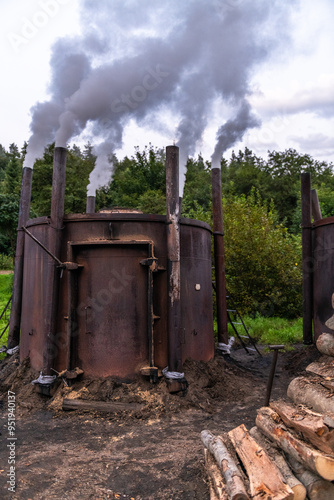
(153,453)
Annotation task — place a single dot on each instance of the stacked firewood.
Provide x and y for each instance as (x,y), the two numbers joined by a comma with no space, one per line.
(290,452)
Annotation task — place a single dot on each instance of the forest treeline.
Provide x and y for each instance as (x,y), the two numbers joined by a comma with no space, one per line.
(261,200)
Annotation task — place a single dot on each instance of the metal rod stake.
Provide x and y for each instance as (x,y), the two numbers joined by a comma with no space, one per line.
(274,348)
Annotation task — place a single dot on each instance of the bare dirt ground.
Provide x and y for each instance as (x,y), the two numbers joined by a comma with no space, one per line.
(153,453)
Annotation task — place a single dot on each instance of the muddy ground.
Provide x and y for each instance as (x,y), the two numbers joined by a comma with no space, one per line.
(153,453)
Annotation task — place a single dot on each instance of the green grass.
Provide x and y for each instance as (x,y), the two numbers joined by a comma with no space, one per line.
(6,284)
(273,330)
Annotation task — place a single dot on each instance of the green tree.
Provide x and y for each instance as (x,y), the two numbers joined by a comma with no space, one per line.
(9,214)
(242,173)
(283,188)
(137,182)
(276,179)
(4,159)
(13,172)
(78,168)
(263,261)
(197,188)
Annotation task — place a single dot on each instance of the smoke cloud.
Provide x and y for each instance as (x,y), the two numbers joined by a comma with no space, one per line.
(136,59)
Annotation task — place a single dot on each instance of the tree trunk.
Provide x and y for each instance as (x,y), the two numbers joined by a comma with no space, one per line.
(317,488)
(302,391)
(325,344)
(266,481)
(310,424)
(297,487)
(215,477)
(235,487)
(270,424)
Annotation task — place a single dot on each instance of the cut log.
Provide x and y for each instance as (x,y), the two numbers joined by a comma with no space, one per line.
(324,367)
(297,487)
(303,391)
(105,406)
(235,487)
(269,422)
(215,477)
(311,425)
(266,481)
(325,344)
(317,488)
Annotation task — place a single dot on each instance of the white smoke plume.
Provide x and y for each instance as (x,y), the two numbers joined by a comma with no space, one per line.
(137,58)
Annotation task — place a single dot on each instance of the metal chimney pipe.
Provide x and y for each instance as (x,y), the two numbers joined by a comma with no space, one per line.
(173,252)
(307,258)
(90,205)
(24,209)
(218,238)
(54,245)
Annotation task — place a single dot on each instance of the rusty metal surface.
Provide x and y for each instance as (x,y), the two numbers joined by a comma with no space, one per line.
(34,295)
(90,205)
(112,310)
(173,265)
(119,342)
(307,258)
(24,209)
(196,289)
(322,268)
(54,245)
(219,255)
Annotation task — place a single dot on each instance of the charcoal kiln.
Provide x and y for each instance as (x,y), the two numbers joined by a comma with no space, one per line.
(116,293)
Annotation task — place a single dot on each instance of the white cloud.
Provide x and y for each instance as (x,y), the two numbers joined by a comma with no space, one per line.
(311,96)
(320,143)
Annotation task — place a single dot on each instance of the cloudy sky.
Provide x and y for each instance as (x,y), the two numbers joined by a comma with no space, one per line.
(274,65)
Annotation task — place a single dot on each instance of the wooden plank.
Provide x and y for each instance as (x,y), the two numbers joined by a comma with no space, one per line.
(269,422)
(266,481)
(105,406)
(303,391)
(299,490)
(235,487)
(311,425)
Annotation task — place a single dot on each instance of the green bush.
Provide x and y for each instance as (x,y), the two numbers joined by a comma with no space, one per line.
(6,262)
(263,260)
